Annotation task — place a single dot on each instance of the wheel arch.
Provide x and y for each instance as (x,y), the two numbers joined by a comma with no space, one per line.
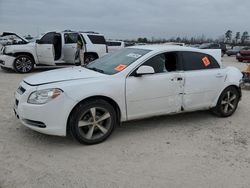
(92,53)
(231,85)
(16,54)
(96,97)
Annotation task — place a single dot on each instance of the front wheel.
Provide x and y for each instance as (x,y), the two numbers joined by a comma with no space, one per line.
(93,122)
(23,64)
(228,102)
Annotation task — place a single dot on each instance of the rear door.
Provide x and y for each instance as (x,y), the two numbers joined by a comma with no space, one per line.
(69,48)
(203,80)
(45,49)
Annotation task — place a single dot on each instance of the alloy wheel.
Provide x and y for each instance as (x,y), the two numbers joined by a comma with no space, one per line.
(229,102)
(94,123)
(24,64)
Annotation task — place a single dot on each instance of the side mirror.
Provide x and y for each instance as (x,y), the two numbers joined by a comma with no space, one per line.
(38,41)
(143,70)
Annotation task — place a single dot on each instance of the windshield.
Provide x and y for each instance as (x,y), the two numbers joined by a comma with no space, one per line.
(117,61)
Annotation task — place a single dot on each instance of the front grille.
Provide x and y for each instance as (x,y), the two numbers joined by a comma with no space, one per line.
(21,90)
(34,123)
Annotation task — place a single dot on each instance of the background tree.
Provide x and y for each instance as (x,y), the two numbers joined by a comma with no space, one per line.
(228,36)
(237,37)
(244,37)
(142,40)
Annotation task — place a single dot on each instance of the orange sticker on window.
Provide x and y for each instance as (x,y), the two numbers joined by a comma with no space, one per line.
(120,67)
(206,61)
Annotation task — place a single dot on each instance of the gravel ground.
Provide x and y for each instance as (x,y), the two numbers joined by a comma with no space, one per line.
(186,150)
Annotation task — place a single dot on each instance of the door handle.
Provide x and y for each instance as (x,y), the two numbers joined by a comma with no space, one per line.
(219,75)
(177,79)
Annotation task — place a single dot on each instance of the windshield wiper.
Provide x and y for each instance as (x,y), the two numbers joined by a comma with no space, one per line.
(94,69)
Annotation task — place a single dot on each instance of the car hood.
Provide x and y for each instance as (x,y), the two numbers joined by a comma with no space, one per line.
(61,75)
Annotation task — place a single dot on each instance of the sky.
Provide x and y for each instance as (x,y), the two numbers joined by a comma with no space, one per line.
(126,19)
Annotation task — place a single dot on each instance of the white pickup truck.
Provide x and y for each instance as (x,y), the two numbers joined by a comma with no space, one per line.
(54,48)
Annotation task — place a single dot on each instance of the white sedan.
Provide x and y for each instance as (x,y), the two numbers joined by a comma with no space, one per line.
(133,83)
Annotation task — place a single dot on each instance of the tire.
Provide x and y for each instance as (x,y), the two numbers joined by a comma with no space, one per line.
(240,61)
(227,103)
(23,64)
(228,55)
(89,57)
(92,122)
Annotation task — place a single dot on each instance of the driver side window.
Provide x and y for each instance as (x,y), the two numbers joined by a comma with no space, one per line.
(48,38)
(165,62)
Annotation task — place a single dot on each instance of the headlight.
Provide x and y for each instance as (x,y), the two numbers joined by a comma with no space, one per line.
(238,54)
(44,96)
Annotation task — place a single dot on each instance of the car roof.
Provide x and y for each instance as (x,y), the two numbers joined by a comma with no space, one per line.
(216,53)
(166,47)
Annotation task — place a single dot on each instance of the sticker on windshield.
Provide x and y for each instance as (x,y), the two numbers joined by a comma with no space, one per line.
(133,55)
(206,61)
(120,67)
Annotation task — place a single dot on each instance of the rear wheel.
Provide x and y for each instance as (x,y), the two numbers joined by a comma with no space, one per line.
(93,122)
(23,64)
(228,102)
(89,58)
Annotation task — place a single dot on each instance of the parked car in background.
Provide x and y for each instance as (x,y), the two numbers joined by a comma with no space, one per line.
(214,46)
(54,48)
(129,84)
(194,45)
(243,55)
(8,38)
(175,43)
(114,45)
(234,50)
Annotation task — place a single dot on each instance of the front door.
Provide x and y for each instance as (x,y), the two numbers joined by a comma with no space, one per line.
(156,94)
(45,49)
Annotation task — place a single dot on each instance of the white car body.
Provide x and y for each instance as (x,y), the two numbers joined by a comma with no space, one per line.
(46,53)
(114,45)
(136,97)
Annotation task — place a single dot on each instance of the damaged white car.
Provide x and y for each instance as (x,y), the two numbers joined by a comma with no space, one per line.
(133,83)
(54,48)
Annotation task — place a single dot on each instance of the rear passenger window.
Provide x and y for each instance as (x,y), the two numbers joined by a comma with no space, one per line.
(198,61)
(97,39)
(70,38)
(114,43)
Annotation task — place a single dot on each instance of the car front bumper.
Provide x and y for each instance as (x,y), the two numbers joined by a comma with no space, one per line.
(7,61)
(50,118)
(243,58)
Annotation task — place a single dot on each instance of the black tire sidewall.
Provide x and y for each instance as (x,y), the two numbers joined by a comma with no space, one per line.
(77,113)
(26,56)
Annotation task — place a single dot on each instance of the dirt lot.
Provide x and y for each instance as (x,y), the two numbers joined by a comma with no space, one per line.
(187,150)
